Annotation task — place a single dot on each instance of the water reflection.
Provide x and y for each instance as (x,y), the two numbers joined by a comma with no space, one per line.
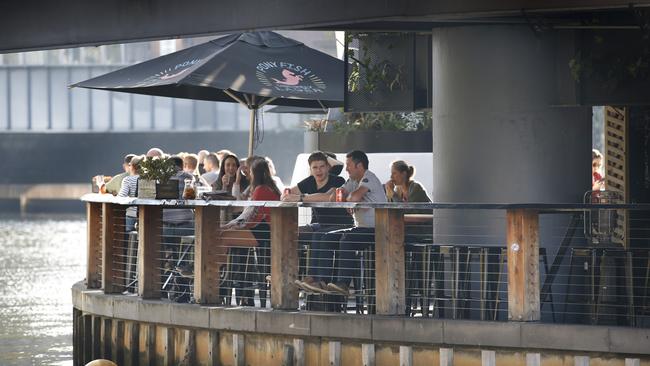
(40,258)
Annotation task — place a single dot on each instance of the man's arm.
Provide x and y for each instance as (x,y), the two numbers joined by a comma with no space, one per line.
(357,194)
(321,197)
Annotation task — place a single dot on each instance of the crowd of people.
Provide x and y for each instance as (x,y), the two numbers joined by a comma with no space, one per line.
(331,229)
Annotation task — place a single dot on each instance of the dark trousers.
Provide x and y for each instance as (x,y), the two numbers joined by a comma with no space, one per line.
(349,242)
(321,250)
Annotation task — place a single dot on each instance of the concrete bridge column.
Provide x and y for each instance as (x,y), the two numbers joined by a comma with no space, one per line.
(496,135)
(497,138)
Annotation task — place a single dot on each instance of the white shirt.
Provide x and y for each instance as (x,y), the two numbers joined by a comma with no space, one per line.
(210,177)
(365,217)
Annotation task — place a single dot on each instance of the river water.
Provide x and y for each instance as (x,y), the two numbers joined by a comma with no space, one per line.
(41,257)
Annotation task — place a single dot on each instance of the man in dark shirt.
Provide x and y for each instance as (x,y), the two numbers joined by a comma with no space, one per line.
(319,187)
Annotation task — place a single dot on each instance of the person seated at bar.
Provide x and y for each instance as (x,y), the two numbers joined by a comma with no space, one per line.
(319,187)
(190,165)
(263,188)
(113,186)
(254,220)
(223,153)
(211,164)
(274,174)
(176,223)
(241,188)
(129,188)
(201,156)
(401,187)
(363,186)
(155,152)
(228,174)
(597,180)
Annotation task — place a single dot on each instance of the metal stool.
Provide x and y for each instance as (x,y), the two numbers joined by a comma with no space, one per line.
(131,262)
(607,271)
(364,285)
(178,278)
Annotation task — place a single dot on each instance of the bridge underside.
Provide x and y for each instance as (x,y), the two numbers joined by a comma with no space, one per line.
(33,25)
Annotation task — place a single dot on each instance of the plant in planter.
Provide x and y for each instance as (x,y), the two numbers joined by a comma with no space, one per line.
(155,178)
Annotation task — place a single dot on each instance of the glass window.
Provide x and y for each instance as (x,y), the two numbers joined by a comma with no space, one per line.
(205,115)
(39,98)
(80,102)
(163,113)
(141,112)
(121,115)
(60,95)
(18,80)
(183,114)
(3,99)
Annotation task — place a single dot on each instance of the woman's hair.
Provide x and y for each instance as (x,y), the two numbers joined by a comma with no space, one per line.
(402,167)
(261,176)
(595,154)
(222,168)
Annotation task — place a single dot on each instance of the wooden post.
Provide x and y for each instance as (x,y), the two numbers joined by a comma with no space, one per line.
(97,337)
(94,217)
(299,352)
(368,354)
(238,349)
(284,257)
(389,261)
(523,265)
(208,255)
(213,348)
(335,353)
(446,357)
(149,245)
(113,221)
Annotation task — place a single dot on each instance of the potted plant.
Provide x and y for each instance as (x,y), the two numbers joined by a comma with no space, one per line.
(155,179)
(375,132)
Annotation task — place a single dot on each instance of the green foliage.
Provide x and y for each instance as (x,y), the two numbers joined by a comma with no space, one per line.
(367,75)
(379,121)
(158,169)
(602,62)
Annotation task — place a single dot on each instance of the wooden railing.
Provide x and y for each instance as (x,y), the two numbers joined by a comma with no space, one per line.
(522,243)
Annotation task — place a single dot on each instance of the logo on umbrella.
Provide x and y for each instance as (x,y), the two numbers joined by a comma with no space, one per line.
(169,73)
(288,77)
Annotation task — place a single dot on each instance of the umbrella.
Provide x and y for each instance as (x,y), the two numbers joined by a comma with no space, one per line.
(253,69)
(296,110)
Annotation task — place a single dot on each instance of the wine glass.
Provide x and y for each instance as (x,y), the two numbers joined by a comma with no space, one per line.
(99,182)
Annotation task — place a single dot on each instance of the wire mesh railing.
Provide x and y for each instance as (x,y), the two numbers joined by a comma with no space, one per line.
(453,262)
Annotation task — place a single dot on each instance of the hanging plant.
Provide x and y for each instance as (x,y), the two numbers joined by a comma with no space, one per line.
(367,74)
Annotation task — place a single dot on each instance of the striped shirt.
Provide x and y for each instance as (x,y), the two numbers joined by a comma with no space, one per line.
(130,189)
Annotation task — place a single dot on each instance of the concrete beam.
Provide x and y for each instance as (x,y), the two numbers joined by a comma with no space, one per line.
(32,24)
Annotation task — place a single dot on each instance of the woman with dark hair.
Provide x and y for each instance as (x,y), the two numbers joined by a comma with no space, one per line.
(255,220)
(262,188)
(228,174)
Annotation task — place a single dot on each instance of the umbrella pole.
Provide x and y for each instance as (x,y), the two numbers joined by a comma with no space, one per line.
(251,131)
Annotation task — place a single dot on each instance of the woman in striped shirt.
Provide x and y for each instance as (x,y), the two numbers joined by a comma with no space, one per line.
(129,188)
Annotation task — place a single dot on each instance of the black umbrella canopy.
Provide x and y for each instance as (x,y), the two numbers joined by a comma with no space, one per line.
(253,68)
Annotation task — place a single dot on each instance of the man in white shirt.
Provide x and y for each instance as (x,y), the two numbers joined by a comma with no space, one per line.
(211,165)
(363,186)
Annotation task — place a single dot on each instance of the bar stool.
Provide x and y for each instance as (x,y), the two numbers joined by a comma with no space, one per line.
(131,262)
(493,313)
(608,276)
(245,275)
(178,276)
(364,285)
(419,275)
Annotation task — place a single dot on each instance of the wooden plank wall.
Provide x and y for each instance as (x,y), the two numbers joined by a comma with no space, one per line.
(615,164)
